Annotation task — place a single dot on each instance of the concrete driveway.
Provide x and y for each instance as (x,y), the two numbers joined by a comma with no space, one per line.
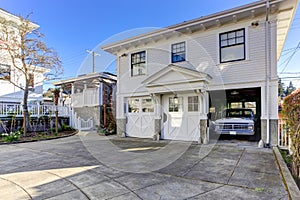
(89,166)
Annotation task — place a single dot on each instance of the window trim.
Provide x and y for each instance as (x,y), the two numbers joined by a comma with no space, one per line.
(185,52)
(244,47)
(131,64)
(8,77)
(193,104)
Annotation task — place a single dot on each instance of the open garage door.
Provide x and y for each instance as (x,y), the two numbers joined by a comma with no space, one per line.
(249,98)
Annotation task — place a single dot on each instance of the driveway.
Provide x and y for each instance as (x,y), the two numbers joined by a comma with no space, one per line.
(89,166)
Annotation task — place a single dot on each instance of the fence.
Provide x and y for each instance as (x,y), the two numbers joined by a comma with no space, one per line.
(283,135)
(81,124)
(8,109)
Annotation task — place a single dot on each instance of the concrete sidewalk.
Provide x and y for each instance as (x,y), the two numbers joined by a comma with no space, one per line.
(89,166)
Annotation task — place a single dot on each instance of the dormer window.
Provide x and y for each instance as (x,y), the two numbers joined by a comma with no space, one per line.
(178,52)
(138,63)
(232,46)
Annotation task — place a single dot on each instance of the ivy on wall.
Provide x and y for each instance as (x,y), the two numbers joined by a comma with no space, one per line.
(291,112)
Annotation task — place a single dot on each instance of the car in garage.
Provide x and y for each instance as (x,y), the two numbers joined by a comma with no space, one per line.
(236,121)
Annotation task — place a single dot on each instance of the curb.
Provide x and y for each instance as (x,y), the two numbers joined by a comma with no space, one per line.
(289,182)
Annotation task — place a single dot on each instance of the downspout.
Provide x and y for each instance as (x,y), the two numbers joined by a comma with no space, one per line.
(267,61)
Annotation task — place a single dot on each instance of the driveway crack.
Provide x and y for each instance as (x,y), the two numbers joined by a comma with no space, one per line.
(236,165)
(18,186)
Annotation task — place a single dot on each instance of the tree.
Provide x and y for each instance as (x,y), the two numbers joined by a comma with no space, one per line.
(290,89)
(56,98)
(22,47)
(281,91)
(291,111)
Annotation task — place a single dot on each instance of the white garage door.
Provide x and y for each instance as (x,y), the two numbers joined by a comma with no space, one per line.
(181,117)
(140,118)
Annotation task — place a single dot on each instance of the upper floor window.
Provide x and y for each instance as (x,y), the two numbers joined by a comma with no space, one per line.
(232,46)
(4,72)
(178,52)
(138,63)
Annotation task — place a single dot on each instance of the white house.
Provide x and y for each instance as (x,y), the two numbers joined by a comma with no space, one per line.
(9,92)
(170,79)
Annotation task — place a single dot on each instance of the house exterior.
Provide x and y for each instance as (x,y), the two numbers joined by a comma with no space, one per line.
(91,97)
(11,96)
(171,81)
(10,92)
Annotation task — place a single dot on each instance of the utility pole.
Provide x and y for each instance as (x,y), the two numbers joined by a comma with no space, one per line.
(93,55)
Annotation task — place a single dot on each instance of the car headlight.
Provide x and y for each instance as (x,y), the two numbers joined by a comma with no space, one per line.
(250,128)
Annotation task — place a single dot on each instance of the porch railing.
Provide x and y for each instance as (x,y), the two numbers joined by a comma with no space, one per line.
(7,109)
(89,97)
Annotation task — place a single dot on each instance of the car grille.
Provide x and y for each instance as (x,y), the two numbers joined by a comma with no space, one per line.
(243,126)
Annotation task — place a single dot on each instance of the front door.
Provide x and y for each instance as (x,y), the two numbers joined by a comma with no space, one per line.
(181,117)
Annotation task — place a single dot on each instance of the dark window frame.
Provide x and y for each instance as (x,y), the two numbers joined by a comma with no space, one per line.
(138,58)
(232,45)
(5,74)
(178,55)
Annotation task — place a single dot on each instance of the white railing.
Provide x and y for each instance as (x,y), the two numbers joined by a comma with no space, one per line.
(81,124)
(283,135)
(89,97)
(7,109)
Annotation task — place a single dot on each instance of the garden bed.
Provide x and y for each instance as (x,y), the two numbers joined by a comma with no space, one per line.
(38,136)
(288,160)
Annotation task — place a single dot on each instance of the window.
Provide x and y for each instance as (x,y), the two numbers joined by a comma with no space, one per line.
(138,63)
(175,104)
(193,104)
(147,105)
(137,105)
(4,72)
(178,52)
(232,46)
(133,105)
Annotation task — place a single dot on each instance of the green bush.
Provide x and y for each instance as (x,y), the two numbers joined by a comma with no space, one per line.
(291,111)
(15,136)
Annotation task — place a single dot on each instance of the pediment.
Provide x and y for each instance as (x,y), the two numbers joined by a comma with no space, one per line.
(173,74)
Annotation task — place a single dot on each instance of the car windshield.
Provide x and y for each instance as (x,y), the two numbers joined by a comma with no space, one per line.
(239,113)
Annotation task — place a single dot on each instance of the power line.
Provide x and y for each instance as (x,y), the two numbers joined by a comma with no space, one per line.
(287,61)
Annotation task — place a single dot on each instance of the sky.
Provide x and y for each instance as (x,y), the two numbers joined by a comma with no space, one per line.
(75,28)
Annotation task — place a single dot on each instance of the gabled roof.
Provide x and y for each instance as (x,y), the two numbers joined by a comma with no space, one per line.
(283,9)
(174,74)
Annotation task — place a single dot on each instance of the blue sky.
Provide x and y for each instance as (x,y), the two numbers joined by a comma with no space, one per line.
(72,27)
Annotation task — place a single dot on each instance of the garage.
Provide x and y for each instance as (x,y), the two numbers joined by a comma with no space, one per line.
(140,117)
(246,98)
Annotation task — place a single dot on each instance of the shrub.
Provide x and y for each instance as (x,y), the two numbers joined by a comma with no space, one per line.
(11,137)
(291,111)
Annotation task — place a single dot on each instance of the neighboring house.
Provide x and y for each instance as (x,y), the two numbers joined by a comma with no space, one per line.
(90,95)
(172,79)
(11,96)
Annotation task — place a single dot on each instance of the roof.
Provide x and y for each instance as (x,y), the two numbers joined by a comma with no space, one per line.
(14,18)
(108,77)
(283,9)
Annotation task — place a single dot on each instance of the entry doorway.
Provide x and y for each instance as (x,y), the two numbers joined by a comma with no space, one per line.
(181,117)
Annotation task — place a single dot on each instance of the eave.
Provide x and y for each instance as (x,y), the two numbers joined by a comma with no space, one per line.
(280,8)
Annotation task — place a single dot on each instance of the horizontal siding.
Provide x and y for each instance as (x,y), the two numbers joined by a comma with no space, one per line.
(202,52)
